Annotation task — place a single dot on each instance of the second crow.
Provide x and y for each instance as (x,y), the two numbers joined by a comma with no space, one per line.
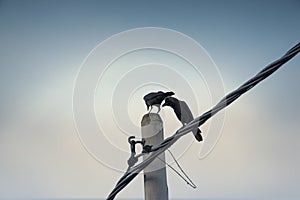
(183,114)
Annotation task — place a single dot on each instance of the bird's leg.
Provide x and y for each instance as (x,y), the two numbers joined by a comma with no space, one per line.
(158,109)
(150,109)
(183,125)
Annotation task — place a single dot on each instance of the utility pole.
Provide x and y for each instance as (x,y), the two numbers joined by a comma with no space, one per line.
(155,177)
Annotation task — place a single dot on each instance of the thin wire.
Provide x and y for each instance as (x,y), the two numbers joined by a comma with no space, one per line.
(132,172)
(189,181)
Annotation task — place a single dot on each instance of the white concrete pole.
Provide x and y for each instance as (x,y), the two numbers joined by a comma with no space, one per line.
(155,177)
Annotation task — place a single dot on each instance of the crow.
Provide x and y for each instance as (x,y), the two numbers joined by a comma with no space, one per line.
(156,98)
(183,114)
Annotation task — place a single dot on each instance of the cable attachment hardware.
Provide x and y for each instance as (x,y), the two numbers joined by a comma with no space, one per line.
(133,159)
(147,148)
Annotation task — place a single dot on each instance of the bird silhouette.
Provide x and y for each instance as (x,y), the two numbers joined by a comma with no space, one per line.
(156,98)
(183,114)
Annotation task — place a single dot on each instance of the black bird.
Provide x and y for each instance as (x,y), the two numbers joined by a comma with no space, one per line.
(156,98)
(183,114)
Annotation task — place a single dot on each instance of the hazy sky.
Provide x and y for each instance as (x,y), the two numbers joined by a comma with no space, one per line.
(44,43)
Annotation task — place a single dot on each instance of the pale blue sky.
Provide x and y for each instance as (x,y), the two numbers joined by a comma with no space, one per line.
(43,43)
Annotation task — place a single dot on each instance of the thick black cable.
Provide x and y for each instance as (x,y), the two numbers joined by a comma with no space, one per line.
(132,172)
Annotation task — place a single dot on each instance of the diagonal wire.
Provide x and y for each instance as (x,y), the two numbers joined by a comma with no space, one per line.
(185,177)
(132,172)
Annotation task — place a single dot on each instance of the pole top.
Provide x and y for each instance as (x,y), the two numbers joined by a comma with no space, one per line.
(150,117)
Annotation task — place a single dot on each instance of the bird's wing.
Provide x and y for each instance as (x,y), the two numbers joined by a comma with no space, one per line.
(150,96)
(186,113)
(177,109)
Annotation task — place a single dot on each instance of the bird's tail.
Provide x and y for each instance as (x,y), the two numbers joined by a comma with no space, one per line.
(197,134)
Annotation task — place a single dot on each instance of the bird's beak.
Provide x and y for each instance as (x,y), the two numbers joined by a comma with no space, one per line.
(164,105)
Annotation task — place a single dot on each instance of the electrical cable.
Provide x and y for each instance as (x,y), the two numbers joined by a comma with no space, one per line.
(133,171)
